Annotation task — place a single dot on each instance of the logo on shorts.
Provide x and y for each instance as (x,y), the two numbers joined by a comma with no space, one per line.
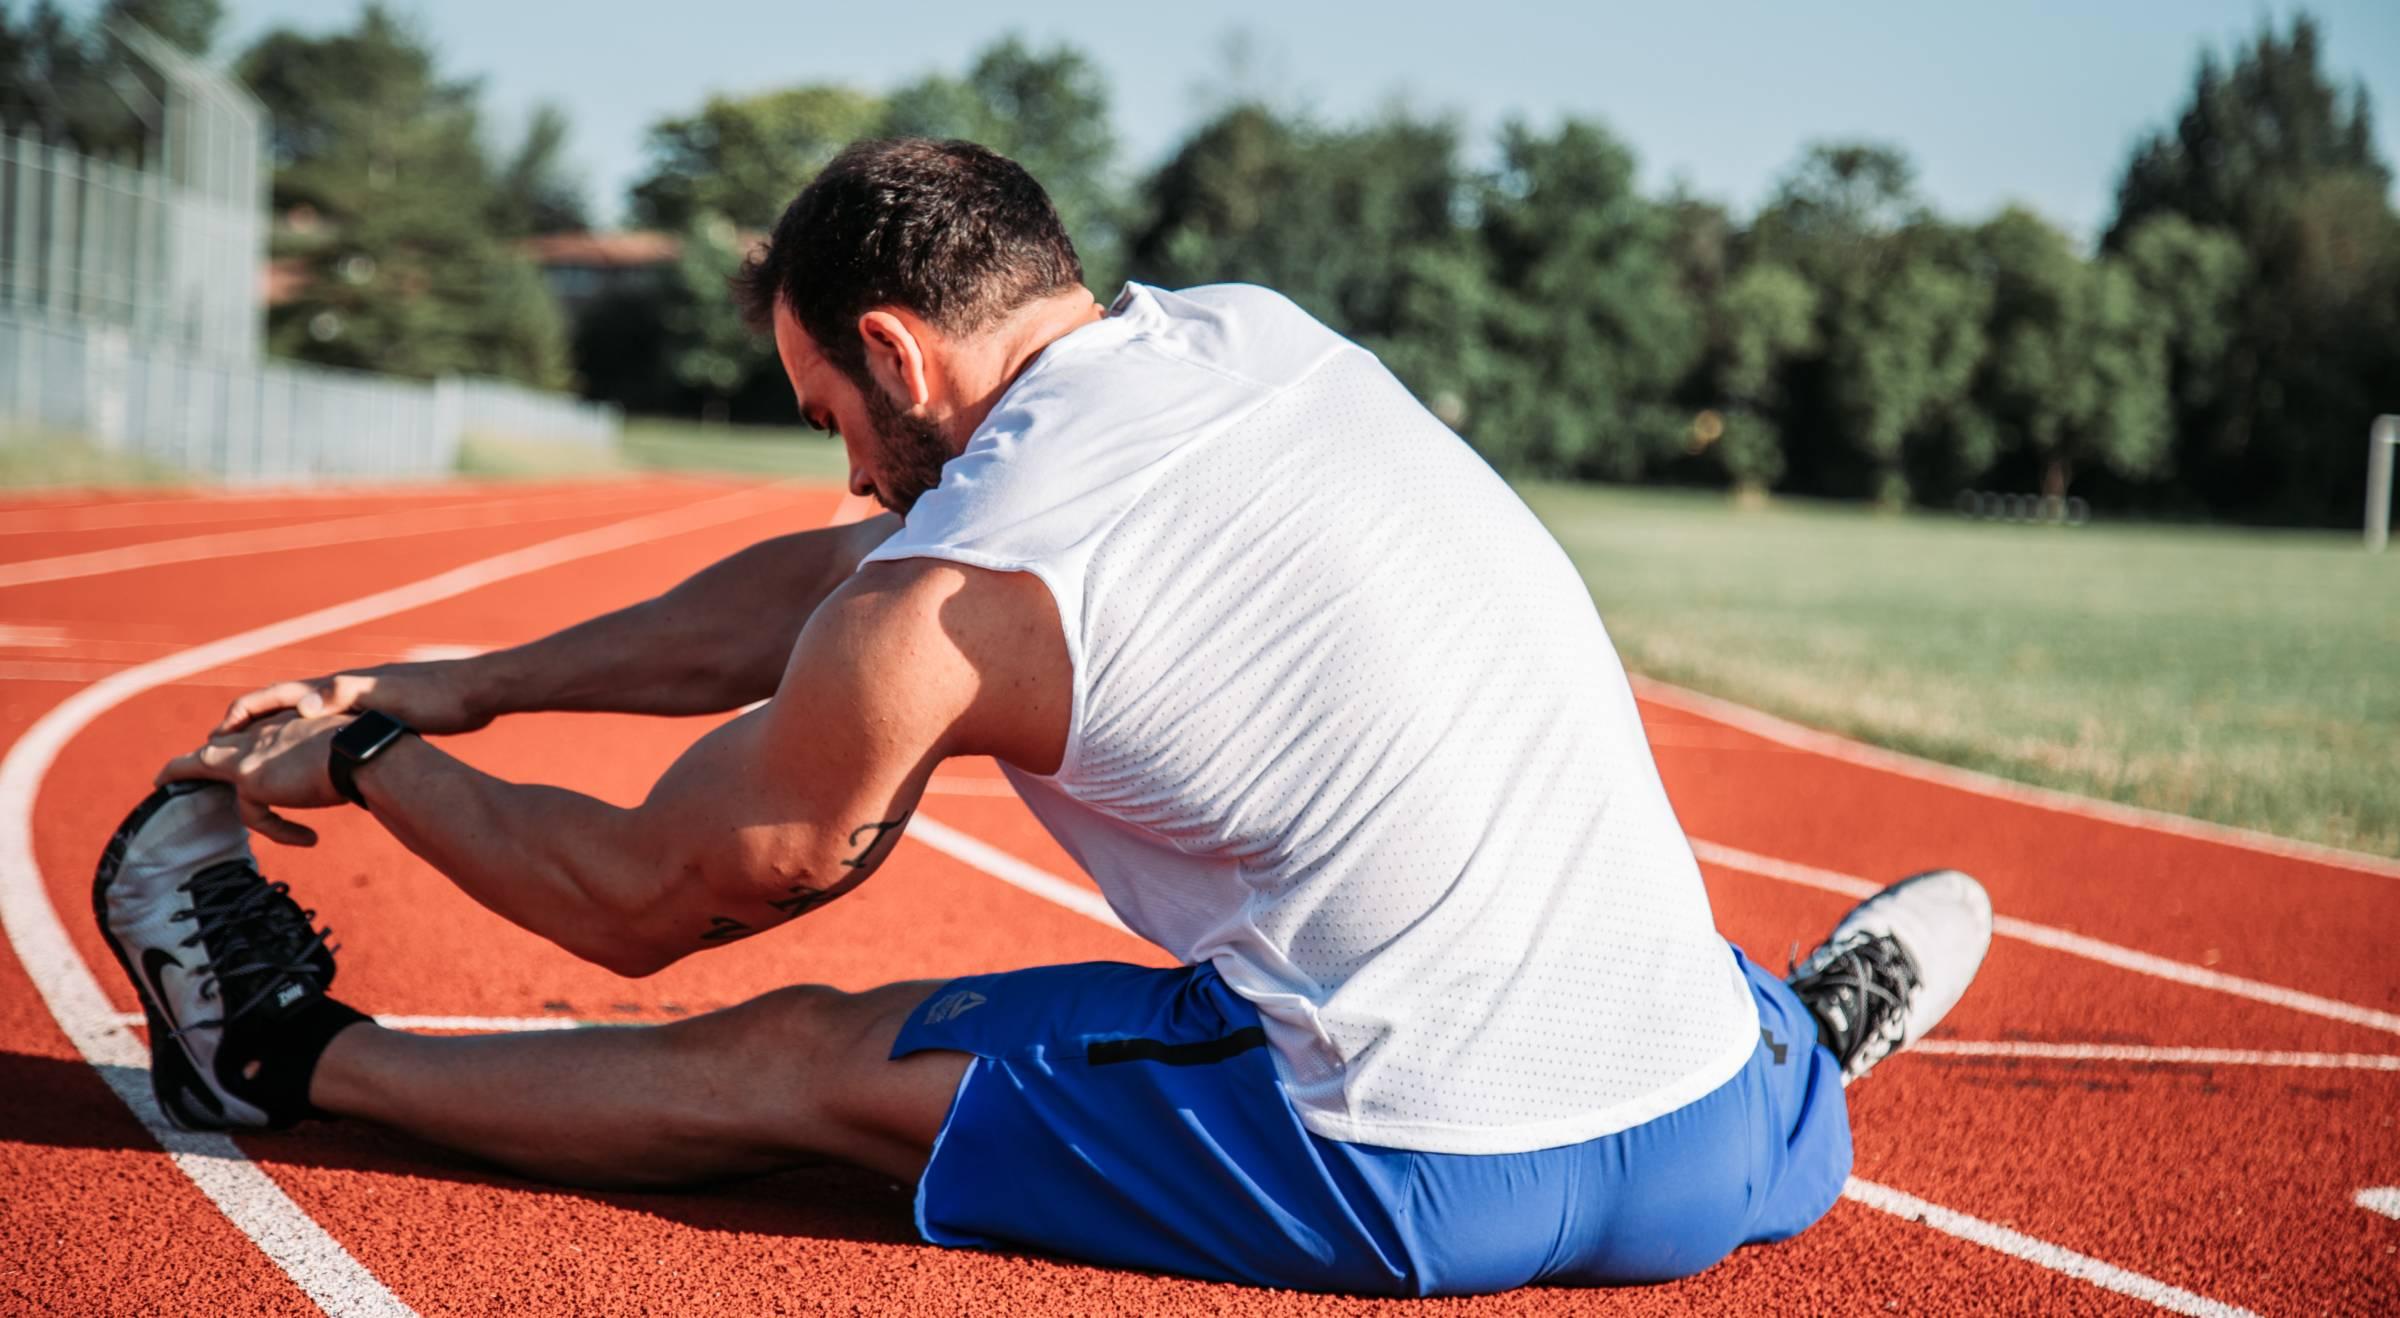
(953,1006)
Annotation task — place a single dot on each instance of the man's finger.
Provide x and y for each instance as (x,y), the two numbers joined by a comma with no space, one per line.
(266,823)
(282,695)
(338,694)
(217,761)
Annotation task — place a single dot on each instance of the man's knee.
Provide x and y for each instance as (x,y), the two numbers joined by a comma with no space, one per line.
(804,1066)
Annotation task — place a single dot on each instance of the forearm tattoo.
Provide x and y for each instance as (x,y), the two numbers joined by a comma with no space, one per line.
(802,899)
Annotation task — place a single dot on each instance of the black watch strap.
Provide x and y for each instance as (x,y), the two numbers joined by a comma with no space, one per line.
(369,735)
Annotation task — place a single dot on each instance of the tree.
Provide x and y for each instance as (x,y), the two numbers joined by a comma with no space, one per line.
(1589,312)
(188,24)
(2077,373)
(1899,325)
(1839,195)
(1764,318)
(2251,134)
(68,83)
(746,157)
(2193,278)
(1209,210)
(534,193)
(710,349)
(1048,110)
(404,272)
(1359,226)
(2270,154)
(1330,219)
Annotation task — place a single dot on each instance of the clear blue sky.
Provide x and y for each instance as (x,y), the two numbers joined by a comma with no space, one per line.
(2036,103)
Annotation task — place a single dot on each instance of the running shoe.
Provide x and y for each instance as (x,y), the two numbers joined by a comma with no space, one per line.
(224,962)
(1894,966)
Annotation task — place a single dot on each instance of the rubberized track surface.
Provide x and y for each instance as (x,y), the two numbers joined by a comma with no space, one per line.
(2177,1083)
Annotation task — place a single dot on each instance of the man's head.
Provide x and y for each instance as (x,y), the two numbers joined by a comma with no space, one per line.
(897,284)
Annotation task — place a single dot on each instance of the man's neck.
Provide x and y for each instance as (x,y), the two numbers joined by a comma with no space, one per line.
(985,371)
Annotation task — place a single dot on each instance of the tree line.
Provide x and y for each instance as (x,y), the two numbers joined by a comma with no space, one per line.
(2220,352)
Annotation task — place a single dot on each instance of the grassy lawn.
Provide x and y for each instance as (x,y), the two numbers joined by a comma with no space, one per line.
(652,445)
(2245,677)
(35,459)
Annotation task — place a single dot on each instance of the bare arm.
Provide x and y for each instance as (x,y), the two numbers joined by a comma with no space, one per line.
(765,818)
(715,642)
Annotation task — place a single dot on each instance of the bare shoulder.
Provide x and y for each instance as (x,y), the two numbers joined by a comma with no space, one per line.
(979,650)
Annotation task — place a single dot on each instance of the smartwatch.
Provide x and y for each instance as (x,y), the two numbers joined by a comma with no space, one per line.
(369,735)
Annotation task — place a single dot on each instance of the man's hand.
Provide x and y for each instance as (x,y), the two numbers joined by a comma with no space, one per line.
(279,760)
(431,698)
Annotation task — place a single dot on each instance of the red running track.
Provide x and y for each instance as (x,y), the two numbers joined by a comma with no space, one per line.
(2063,1155)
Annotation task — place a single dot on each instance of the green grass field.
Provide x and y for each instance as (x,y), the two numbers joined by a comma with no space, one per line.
(2244,677)
(650,445)
(32,459)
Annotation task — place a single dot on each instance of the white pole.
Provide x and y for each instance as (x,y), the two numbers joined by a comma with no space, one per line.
(2382,438)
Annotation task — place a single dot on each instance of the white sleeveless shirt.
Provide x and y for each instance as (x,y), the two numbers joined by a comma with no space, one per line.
(1347,726)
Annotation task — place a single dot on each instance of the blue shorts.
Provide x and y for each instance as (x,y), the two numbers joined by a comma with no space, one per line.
(1134,1117)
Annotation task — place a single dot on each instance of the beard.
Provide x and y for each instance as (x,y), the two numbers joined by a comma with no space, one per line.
(913,451)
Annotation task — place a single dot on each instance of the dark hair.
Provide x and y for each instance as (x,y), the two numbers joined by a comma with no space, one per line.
(957,233)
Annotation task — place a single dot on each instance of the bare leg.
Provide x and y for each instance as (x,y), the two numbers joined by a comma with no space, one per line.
(789,1077)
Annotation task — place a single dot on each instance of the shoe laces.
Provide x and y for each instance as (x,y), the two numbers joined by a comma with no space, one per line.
(1859,987)
(258,940)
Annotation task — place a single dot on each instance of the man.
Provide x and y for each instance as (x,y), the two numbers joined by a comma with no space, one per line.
(1301,683)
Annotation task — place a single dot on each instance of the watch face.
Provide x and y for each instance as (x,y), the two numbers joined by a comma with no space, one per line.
(368,733)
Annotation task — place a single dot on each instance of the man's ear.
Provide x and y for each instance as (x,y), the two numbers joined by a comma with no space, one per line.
(896,356)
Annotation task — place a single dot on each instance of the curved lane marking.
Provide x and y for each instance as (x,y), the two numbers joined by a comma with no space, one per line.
(2061,940)
(1016,873)
(302,535)
(1849,750)
(247,1195)
(2145,1055)
(21,505)
(2057,1258)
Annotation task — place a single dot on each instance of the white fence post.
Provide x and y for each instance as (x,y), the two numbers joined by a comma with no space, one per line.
(2382,437)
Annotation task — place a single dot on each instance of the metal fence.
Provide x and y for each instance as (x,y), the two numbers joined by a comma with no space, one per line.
(130,311)
(166,243)
(262,420)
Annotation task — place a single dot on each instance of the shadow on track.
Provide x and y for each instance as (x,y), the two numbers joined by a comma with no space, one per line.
(61,1103)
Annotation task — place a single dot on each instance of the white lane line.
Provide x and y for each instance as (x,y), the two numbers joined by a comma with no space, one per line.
(1012,871)
(1799,737)
(84,668)
(199,506)
(2149,1056)
(2060,940)
(2041,1253)
(32,636)
(250,1198)
(417,654)
(301,535)
(2384,1199)
(152,513)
